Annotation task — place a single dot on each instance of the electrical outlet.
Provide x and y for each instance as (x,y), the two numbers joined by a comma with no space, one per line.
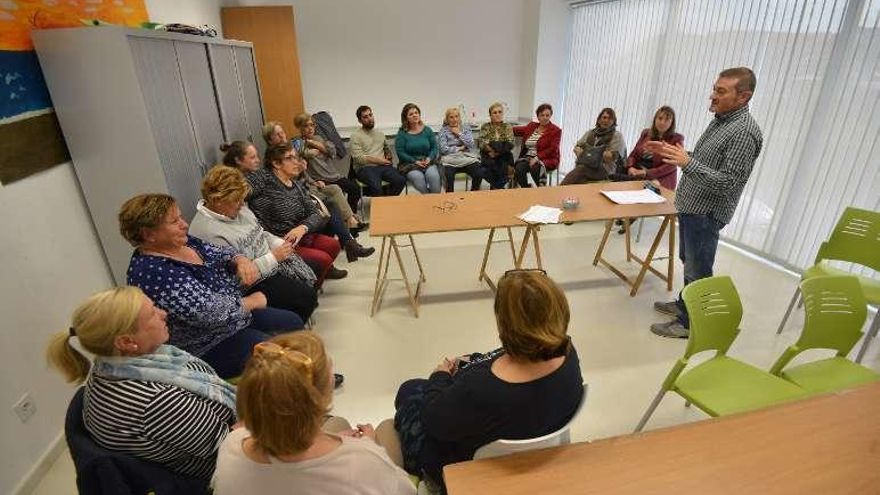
(25,408)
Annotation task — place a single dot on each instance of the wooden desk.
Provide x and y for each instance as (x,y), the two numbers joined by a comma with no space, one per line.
(490,210)
(824,445)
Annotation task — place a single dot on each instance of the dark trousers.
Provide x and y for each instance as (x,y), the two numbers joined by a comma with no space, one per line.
(288,293)
(522,169)
(229,356)
(351,189)
(336,226)
(373,175)
(495,169)
(474,170)
(698,243)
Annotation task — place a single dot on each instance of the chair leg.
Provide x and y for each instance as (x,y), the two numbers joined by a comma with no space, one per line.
(794,298)
(687,403)
(639,231)
(875,327)
(650,411)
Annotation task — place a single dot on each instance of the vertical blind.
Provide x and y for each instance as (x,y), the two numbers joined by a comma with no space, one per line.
(818,69)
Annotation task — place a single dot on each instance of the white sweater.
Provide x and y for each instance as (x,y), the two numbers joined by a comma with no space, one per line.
(358,467)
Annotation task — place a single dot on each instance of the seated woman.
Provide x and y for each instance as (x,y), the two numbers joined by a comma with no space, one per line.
(496,137)
(642,164)
(597,151)
(242,155)
(196,283)
(330,194)
(222,219)
(475,400)
(283,400)
(142,397)
(540,150)
(458,152)
(416,148)
(285,208)
(318,152)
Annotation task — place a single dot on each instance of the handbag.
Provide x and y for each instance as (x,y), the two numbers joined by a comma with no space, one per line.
(591,160)
(459,159)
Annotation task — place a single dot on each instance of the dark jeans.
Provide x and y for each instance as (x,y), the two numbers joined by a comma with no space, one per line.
(698,243)
(336,226)
(229,356)
(495,169)
(474,170)
(521,171)
(373,175)
(288,293)
(351,189)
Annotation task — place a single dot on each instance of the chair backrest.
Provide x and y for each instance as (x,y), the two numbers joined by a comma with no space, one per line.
(856,238)
(559,437)
(715,311)
(835,310)
(101,471)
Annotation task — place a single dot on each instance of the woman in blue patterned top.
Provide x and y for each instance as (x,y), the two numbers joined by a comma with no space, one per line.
(199,285)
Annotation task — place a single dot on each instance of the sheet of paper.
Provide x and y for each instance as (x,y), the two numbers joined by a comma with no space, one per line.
(634,197)
(541,214)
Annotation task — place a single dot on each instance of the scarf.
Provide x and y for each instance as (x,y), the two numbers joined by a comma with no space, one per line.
(602,137)
(166,365)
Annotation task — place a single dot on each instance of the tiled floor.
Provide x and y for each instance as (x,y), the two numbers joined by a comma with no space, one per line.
(621,360)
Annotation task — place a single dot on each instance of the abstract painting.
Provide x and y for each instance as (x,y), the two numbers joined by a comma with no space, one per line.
(30,137)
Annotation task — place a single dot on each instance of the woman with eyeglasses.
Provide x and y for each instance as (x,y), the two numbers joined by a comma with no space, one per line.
(287,443)
(473,400)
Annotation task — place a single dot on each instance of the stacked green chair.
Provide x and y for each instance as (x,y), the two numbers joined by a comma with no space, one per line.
(835,312)
(855,239)
(720,385)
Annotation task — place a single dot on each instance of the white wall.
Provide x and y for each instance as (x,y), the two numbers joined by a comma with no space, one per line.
(51,261)
(193,12)
(552,51)
(385,53)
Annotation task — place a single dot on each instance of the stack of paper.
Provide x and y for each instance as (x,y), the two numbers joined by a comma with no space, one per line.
(634,197)
(541,214)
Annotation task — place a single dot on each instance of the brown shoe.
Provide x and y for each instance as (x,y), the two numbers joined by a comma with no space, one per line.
(335,273)
(353,251)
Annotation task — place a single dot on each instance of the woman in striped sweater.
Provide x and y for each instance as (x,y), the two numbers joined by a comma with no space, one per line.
(142,397)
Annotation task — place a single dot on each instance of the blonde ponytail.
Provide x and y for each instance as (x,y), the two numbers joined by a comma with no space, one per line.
(96,323)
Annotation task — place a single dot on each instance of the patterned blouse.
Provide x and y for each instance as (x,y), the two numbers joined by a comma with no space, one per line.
(450,143)
(491,132)
(203,301)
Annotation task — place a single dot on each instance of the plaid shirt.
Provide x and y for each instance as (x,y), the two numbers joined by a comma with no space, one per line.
(720,165)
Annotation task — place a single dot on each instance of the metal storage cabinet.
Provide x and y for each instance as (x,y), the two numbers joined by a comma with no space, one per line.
(145,111)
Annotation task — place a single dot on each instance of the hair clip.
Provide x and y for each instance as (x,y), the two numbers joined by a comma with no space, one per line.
(296,357)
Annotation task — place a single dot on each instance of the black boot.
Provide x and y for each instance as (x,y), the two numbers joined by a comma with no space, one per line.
(334,273)
(353,251)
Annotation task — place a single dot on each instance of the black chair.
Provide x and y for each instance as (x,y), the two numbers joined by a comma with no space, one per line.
(100,471)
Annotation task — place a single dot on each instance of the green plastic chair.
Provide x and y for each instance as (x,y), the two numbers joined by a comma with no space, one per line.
(835,312)
(721,385)
(855,239)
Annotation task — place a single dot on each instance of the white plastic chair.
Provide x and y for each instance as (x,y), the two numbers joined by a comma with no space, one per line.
(506,447)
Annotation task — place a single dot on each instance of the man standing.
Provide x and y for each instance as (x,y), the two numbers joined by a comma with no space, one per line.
(372,156)
(712,180)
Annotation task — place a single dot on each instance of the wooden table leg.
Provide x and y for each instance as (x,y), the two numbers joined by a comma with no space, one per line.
(646,263)
(380,276)
(412,296)
(510,242)
(608,225)
(522,248)
(412,244)
(486,255)
(537,246)
(626,228)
